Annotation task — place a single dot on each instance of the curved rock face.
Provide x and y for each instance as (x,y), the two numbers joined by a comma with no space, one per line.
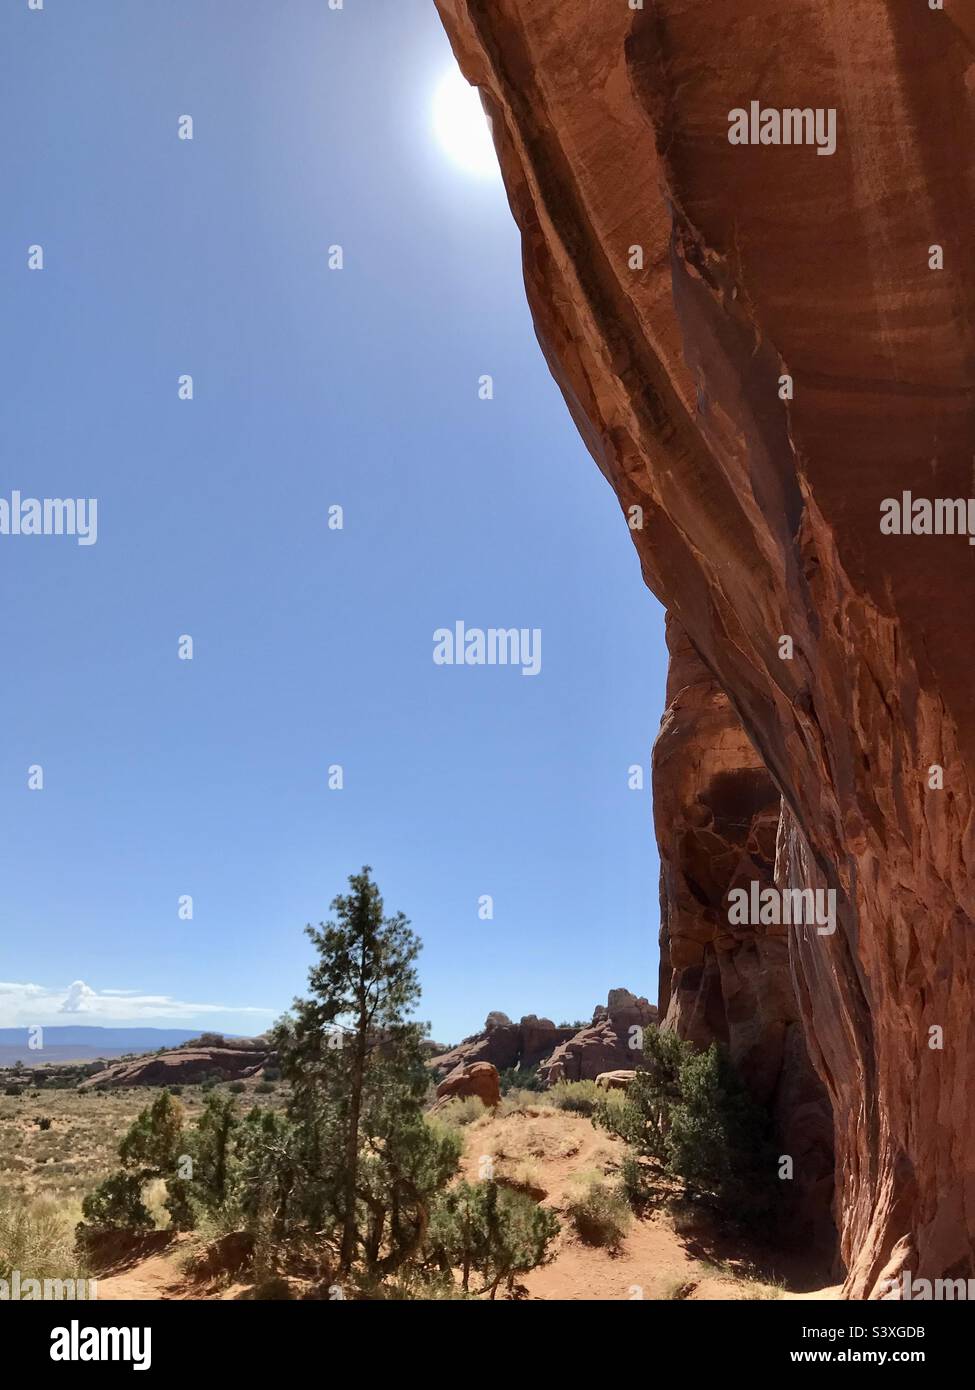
(478,1079)
(716,814)
(759,350)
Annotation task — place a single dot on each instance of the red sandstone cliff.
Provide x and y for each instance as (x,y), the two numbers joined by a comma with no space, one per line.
(674,279)
(716,814)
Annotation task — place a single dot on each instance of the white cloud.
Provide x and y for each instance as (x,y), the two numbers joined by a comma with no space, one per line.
(26,1005)
(77,997)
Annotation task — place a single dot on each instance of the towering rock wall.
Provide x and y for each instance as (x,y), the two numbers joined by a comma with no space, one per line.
(716,814)
(717,818)
(677,280)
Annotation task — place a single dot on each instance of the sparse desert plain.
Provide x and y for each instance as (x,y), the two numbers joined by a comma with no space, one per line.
(58,1144)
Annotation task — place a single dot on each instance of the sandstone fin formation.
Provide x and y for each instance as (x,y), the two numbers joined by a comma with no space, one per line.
(759,346)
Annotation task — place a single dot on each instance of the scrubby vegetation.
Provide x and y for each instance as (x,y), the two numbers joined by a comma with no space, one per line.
(517,1100)
(687,1115)
(519,1079)
(490,1230)
(600,1214)
(36,1238)
(351,1167)
(580,1097)
(462,1110)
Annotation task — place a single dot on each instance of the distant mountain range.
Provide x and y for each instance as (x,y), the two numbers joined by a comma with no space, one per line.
(73,1044)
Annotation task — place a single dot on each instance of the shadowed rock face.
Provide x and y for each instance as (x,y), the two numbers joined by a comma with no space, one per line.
(716,813)
(760,515)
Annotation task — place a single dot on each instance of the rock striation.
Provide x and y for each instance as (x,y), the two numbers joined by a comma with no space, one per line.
(761,347)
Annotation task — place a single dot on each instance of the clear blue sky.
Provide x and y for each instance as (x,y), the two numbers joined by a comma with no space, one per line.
(311,388)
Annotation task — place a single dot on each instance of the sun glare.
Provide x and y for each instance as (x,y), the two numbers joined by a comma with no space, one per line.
(462,127)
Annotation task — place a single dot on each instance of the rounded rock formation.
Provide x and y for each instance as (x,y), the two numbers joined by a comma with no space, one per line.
(478,1079)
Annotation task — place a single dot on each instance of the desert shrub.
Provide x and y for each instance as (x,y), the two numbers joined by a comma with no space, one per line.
(579,1097)
(14,1090)
(265,1088)
(115,1204)
(267,1164)
(237,1088)
(600,1215)
(525,1176)
(462,1110)
(414,1285)
(633,1182)
(182,1205)
(610,1102)
(519,1079)
(677,1289)
(36,1237)
(149,1152)
(273,1289)
(490,1230)
(44,1123)
(715,1143)
(688,1114)
(212,1150)
(272,1074)
(517,1100)
(155,1140)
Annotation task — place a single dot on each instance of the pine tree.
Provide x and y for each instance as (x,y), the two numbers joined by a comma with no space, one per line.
(354,1061)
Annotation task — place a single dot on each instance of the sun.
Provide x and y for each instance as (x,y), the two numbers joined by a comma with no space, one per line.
(462,128)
